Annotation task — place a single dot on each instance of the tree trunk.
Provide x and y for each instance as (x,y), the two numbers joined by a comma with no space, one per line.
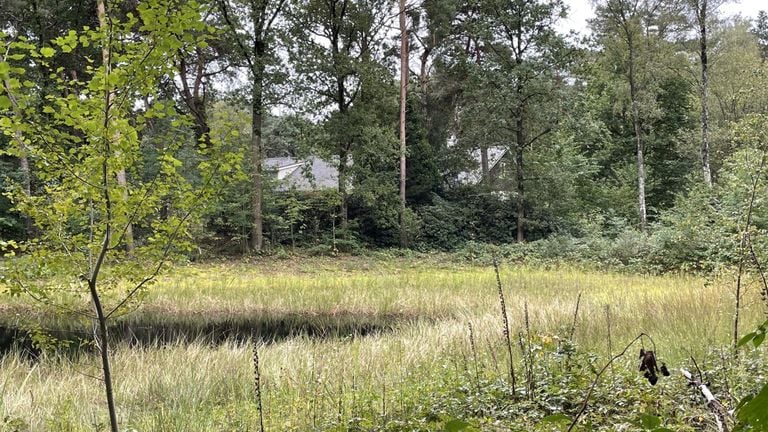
(256,56)
(520,142)
(484,166)
(202,130)
(122,180)
(403,96)
(701,14)
(344,144)
(103,344)
(101,11)
(343,207)
(520,177)
(26,180)
(257,234)
(424,80)
(638,136)
(194,98)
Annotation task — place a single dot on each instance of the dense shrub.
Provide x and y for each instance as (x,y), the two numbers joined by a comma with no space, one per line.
(445,225)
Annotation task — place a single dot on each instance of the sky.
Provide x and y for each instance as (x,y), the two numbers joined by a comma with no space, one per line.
(581,11)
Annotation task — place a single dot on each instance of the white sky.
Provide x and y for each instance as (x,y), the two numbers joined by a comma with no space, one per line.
(582,10)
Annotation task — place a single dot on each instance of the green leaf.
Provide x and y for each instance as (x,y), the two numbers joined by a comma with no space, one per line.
(47,51)
(758,340)
(556,418)
(746,338)
(755,411)
(5,102)
(648,421)
(745,401)
(456,426)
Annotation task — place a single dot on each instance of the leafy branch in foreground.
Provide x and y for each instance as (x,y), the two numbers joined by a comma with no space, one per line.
(752,411)
(84,138)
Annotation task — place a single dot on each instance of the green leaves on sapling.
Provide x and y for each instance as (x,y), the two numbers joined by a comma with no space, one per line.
(80,134)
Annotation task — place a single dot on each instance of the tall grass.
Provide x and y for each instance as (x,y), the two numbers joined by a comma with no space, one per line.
(312,382)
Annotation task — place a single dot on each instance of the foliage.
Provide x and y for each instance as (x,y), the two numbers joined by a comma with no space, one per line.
(77,152)
(751,412)
(11,224)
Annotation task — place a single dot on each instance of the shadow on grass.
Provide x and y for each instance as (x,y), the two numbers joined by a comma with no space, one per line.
(155,329)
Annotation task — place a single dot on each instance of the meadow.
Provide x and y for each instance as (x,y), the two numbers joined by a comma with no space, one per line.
(386,344)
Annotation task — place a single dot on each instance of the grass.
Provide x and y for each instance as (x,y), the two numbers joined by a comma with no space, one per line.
(352,341)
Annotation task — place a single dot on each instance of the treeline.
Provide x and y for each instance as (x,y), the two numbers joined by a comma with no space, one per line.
(648,135)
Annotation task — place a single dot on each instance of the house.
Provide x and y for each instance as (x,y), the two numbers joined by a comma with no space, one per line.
(498,158)
(305,175)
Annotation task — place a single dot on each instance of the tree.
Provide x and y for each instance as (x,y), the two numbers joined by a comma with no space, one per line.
(761,31)
(198,65)
(81,134)
(254,34)
(632,30)
(523,49)
(737,85)
(625,16)
(336,51)
(702,10)
(403,101)
(433,26)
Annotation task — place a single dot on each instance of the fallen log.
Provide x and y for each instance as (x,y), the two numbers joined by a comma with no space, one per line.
(713,404)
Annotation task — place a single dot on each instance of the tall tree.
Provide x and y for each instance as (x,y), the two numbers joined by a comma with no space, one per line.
(254,34)
(629,27)
(517,78)
(404,67)
(336,53)
(704,13)
(624,14)
(761,31)
(737,75)
(432,25)
(199,63)
(702,10)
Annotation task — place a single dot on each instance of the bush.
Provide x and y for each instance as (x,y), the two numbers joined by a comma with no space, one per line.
(445,225)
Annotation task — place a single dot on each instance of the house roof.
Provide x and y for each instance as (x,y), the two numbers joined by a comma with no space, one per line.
(307,174)
(475,175)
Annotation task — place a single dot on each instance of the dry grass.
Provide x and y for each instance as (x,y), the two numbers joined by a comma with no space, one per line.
(311,382)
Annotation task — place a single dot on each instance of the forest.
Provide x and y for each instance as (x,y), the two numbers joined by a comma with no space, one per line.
(379,215)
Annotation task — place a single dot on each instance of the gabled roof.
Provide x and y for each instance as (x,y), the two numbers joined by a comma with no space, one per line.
(307,174)
(475,175)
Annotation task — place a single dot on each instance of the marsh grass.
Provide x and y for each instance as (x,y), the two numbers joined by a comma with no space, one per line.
(417,342)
